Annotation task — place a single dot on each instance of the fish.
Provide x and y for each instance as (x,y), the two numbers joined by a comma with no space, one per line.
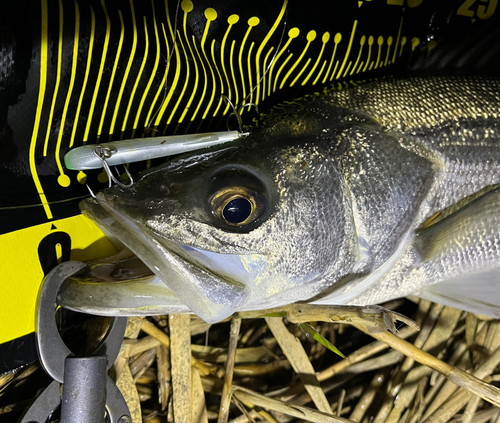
(345,197)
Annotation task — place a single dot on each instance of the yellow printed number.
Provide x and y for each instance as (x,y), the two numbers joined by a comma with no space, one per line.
(29,254)
(487,12)
(481,11)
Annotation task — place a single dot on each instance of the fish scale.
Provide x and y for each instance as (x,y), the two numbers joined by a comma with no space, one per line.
(410,104)
(464,138)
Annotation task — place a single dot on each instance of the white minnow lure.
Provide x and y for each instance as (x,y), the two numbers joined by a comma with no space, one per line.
(136,150)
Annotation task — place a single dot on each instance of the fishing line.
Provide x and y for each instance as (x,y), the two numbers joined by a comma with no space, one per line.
(237,111)
(43,204)
(270,63)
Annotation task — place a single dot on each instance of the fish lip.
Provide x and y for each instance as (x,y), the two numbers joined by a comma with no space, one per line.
(79,294)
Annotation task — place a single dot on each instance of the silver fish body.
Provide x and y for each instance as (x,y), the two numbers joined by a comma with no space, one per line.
(346,197)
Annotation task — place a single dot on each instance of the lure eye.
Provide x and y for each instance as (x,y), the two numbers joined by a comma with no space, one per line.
(237,211)
(237,198)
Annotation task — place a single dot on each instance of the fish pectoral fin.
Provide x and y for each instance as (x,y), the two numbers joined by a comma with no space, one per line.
(474,224)
(463,249)
(478,292)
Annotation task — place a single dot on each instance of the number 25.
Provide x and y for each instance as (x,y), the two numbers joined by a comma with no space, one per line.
(483,12)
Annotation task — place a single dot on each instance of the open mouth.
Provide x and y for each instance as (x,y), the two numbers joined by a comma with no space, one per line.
(213,296)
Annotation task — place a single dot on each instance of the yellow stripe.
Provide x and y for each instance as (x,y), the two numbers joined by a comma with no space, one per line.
(153,73)
(320,73)
(176,76)
(231,61)
(242,46)
(403,43)
(370,43)
(265,76)
(380,41)
(161,87)
(58,78)
(204,79)
(337,39)
(185,82)
(187,7)
(361,44)
(39,106)
(223,45)
(325,39)
(389,43)
(139,75)
(86,78)
(274,64)
(414,44)
(127,69)
(348,49)
(397,40)
(347,69)
(70,88)
(335,69)
(196,77)
(250,74)
(300,73)
(311,35)
(360,67)
(280,69)
(205,31)
(113,73)
(261,48)
(213,80)
(99,75)
(220,78)
(210,15)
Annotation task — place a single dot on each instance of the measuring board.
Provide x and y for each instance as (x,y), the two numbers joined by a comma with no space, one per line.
(82,72)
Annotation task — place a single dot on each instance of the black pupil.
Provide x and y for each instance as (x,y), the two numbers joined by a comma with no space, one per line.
(237,210)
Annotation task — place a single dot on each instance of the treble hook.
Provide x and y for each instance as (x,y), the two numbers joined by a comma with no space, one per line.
(237,113)
(104,153)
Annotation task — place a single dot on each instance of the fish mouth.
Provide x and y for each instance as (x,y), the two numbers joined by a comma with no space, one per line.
(212,295)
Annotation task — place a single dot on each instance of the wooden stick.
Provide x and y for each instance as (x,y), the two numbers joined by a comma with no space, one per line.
(294,351)
(180,357)
(228,377)
(304,413)
(472,383)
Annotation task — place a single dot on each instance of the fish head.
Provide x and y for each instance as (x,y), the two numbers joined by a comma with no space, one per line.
(269,218)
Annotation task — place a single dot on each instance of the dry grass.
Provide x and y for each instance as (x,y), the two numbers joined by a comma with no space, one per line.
(262,368)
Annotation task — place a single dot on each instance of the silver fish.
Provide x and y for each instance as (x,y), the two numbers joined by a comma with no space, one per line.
(355,197)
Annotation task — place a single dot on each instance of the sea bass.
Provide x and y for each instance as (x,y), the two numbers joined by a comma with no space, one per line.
(353,197)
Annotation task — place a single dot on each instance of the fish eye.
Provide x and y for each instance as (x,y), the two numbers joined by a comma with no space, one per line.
(237,211)
(237,198)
